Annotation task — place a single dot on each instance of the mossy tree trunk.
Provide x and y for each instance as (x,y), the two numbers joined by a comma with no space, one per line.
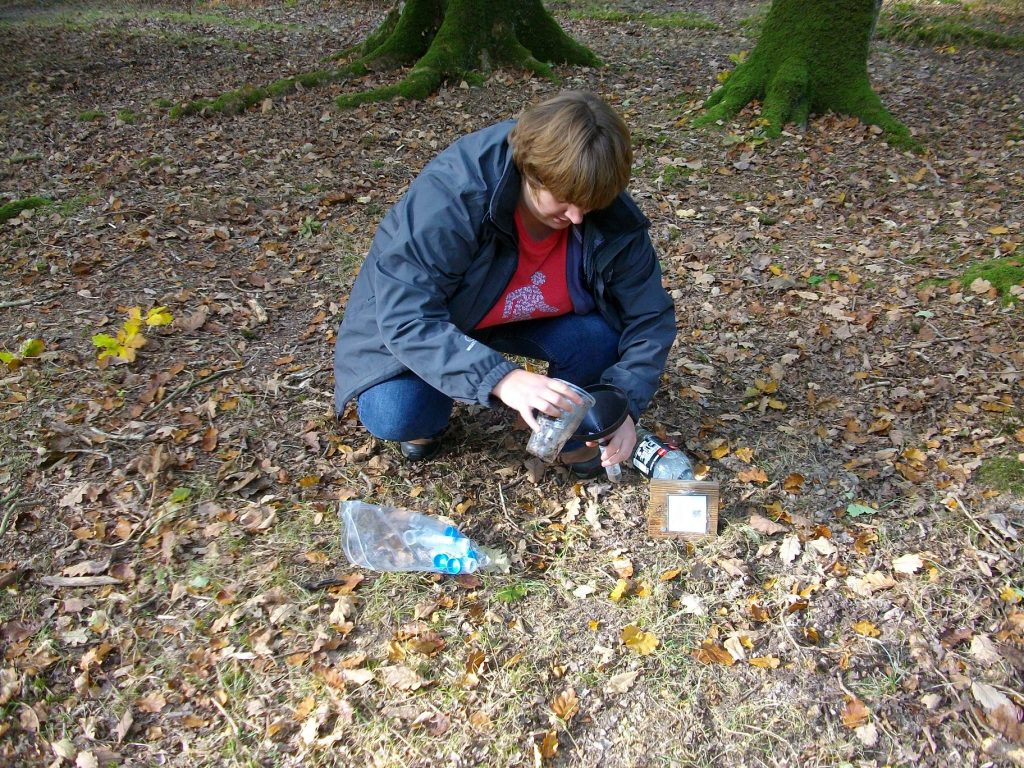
(811,58)
(461,39)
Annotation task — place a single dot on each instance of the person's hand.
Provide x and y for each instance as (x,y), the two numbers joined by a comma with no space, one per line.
(527,392)
(618,447)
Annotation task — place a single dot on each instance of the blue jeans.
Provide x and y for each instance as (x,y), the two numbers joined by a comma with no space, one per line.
(577,348)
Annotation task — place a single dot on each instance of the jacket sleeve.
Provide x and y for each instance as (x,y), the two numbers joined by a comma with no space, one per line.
(634,290)
(427,244)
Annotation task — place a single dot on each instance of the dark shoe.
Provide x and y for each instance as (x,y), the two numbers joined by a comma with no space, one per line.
(420,451)
(587,469)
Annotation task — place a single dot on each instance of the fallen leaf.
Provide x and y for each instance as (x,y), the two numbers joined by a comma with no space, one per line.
(822,546)
(868,734)
(623,567)
(753,475)
(866,628)
(908,564)
(565,704)
(854,713)
(765,662)
(762,524)
(621,682)
(637,640)
(990,698)
(151,703)
(790,549)
(401,677)
(549,746)
(619,591)
(712,653)
(984,650)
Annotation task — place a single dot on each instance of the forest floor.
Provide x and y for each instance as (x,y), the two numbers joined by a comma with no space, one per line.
(173,587)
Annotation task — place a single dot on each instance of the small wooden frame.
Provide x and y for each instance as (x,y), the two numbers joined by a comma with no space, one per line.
(683,509)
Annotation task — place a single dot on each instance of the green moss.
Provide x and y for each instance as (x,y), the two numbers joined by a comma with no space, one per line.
(150,162)
(90,115)
(674,20)
(1002,273)
(239,100)
(127,116)
(905,23)
(811,58)
(1002,473)
(13,208)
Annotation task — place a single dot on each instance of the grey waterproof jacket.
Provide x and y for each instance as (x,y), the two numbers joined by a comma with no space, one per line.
(445,253)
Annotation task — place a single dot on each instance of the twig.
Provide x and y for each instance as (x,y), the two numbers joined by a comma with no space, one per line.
(231,722)
(992,540)
(782,621)
(186,388)
(23,302)
(79,581)
(10,509)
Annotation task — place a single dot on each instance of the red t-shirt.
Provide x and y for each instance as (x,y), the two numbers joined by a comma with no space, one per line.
(538,288)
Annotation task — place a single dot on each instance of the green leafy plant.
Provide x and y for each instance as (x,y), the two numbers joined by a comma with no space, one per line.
(124,346)
(309,227)
(29,349)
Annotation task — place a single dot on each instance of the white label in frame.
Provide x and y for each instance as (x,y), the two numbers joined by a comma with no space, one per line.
(687,513)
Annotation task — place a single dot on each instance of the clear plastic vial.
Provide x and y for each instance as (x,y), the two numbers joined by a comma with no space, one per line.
(659,460)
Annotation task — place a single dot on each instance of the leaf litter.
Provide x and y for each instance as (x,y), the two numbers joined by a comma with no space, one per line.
(863,602)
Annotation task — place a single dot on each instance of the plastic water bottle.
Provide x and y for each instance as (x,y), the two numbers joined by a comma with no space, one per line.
(659,460)
(389,539)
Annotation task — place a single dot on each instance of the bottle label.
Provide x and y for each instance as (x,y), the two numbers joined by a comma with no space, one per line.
(648,452)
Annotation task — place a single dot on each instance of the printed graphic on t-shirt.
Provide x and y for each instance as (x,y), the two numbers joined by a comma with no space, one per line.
(527,301)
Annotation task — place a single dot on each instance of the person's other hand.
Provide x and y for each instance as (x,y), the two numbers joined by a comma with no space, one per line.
(527,393)
(618,447)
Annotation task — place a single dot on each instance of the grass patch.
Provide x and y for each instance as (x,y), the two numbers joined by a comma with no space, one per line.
(674,20)
(906,24)
(90,116)
(127,116)
(13,208)
(1003,274)
(1003,473)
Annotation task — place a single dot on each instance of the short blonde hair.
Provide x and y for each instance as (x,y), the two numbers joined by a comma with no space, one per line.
(575,146)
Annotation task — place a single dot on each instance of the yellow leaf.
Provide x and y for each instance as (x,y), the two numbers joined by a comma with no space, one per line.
(302,711)
(720,450)
(593,625)
(744,454)
(777,405)
(765,662)
(1000,230)
(644,590)
(637,640)
(766,387)
(619,591)
(1010,595)
(670,574)
(159,316)
(915,454)
(866,628)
